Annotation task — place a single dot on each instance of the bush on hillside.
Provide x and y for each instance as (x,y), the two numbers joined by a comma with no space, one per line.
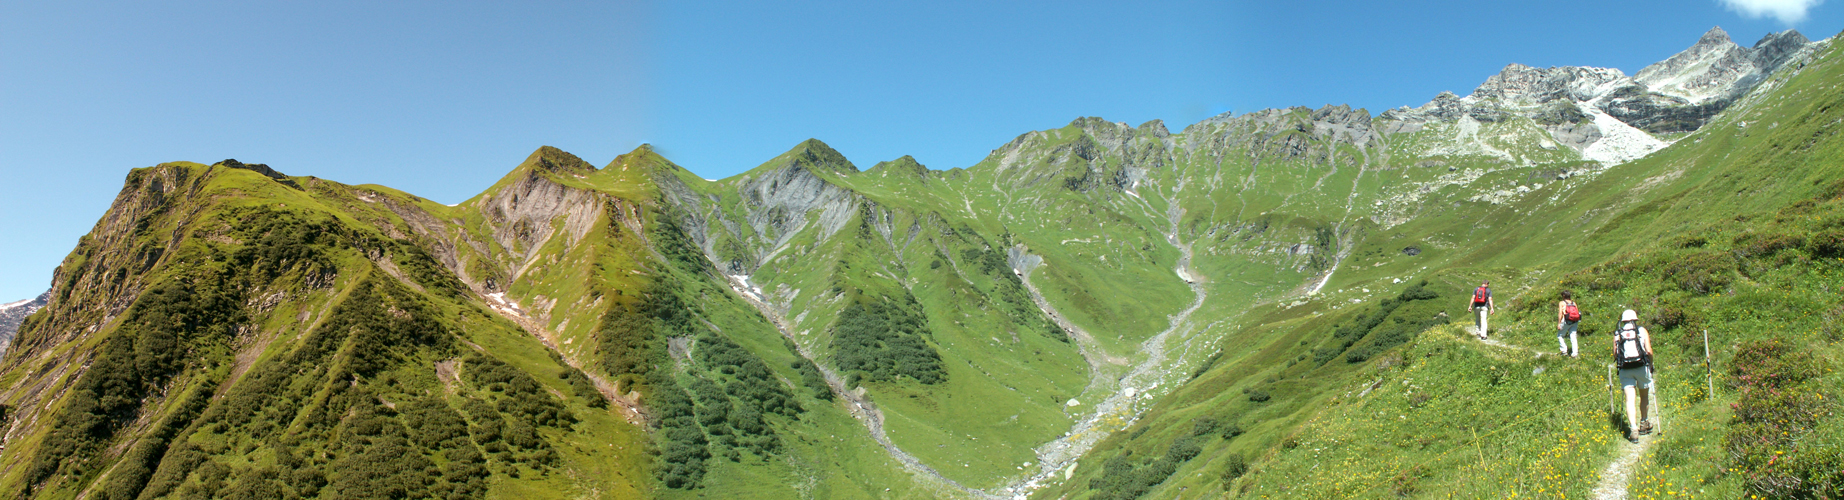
(633,335)
(1234,466)
(811,379)
(163,324)
(1761,245)
(1826,244)
(522,396)
(583,387)
(733,402)
(1668,316)
(1384,330)
(1702,272)
(1121,479)
(1777,409)
(1593,281)
(880,341)
(681,442)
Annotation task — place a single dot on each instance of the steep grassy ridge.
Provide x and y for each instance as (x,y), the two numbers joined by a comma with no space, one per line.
(266,342)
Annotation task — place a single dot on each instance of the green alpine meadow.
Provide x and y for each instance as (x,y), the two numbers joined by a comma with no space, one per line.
(1266,305)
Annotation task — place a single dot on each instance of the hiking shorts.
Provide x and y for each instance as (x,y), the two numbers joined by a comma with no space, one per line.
(1641,377)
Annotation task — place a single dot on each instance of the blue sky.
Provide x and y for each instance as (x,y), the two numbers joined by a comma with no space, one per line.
(442,98)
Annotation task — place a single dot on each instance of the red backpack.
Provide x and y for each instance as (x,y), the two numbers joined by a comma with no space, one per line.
(1479,295)
(1570,313)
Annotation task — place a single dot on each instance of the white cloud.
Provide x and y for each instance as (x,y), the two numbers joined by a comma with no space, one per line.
(1787,11)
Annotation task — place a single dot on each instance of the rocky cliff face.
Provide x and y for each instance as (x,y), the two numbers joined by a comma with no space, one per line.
(13,313)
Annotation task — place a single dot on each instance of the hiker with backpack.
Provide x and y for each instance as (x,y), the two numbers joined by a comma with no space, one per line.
(1568,326)
(1482,305)
(1633,356)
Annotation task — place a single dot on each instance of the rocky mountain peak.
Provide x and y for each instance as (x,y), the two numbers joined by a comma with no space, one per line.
(1156,128)
(812,154)
(1716,68)
(253,167)
(1524,85)
(1342,114)
(279,177)
(1774,48)
(551,159)
(1714,37)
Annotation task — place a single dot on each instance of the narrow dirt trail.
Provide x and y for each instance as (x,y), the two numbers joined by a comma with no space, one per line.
(1496,343)
(856,403)
(1619,472)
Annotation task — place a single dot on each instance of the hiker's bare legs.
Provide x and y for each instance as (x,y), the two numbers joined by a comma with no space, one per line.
(1482,312)
(1645,404)
(1566,339)
(1632,416)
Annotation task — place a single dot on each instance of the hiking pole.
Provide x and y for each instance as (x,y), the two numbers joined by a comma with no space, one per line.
(1611,397)
(1658,404)
(1709,374)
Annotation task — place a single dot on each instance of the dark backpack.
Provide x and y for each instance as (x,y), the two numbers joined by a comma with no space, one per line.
(1628,351)
(1570,313)
(1480,294)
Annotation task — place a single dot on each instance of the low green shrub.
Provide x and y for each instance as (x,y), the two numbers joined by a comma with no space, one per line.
(1777,409)
(883,339)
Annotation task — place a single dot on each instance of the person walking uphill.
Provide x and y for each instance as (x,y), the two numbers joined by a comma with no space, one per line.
(1482,305)
(1633,356)
(1568,325)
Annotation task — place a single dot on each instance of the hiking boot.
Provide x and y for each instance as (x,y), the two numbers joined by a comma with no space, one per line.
(1631,437)
(1645,427)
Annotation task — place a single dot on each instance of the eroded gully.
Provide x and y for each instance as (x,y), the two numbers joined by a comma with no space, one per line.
(856,403)
(1121,408)
(1058,457)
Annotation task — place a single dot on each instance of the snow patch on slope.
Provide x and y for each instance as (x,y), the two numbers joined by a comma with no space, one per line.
(1620,143)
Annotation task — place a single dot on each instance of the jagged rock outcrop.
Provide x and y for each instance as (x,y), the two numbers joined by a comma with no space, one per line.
(521,211)
(779,196)
(1296,133)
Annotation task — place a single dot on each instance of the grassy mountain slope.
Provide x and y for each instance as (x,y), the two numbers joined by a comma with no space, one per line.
(1726,231)
(1259,305)
(227,332)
